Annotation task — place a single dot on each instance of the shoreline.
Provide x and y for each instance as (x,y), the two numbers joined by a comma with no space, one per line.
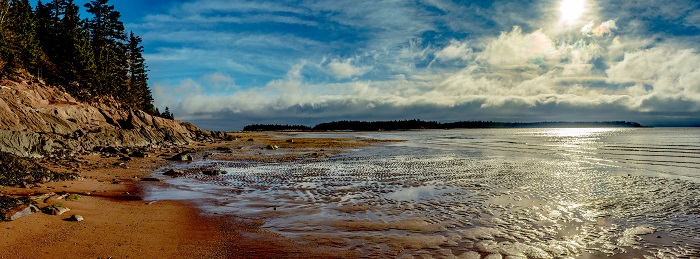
(120,223)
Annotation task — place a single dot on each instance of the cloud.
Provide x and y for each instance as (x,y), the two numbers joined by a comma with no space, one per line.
(438,59)
(455,50)
(344,69)
(670,73)
(515,49)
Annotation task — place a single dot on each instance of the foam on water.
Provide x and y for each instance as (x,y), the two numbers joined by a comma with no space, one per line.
(517,193)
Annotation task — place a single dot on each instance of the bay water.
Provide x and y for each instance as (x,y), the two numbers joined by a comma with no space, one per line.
(471,193)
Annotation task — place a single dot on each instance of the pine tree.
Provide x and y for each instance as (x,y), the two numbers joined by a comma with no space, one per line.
(138,89)
(108,46)
(8,56)
(167,114)
(88,58)
(23,27)
(44,25)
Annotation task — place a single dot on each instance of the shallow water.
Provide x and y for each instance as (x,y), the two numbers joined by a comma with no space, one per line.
(535,193)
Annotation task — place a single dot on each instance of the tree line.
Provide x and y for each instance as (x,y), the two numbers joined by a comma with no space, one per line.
(420,124)
(93,59)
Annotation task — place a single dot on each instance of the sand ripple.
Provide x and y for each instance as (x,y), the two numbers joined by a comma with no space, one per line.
(386,202)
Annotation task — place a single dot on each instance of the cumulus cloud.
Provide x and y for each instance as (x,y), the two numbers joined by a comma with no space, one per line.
(342,69)
(518,49)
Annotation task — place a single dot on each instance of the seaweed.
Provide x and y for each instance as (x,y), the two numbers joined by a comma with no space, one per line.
(16,171)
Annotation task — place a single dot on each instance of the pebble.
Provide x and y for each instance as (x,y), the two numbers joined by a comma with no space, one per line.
(77,218)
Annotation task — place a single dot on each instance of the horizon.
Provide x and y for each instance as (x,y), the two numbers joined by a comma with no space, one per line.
(225,64)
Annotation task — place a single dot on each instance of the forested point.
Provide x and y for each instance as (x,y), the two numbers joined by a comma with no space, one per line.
(93,59)
(419,124)
(275,127)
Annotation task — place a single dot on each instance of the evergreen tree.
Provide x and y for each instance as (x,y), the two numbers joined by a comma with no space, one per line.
(88,58)
(24,30)
(65,45)
(139,93)
(108,46)
(167,114)
(44,26)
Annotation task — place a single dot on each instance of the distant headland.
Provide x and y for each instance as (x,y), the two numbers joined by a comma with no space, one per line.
(420,124)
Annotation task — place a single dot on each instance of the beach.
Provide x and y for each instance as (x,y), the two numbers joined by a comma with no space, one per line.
(473,193)
(119,223)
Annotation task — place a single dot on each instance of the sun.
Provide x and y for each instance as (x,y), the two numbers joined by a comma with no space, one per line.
(571,10)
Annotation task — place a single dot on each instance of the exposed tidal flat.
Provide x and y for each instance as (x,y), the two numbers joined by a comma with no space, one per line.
(518,193)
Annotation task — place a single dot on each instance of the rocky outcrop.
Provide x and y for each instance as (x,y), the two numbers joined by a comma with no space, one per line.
(37,120)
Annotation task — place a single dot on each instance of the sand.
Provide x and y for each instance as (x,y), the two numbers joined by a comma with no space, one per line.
(118,223)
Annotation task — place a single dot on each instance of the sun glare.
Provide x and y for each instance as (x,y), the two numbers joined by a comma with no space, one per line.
(571,10)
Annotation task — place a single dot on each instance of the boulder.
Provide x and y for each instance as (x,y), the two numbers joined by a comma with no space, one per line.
(55,210)
(21,211)
(138,154)
(174,173)
(272,147)
(183,156)
(110,150)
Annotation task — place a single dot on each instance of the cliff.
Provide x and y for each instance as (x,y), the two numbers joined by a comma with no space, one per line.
(38,120)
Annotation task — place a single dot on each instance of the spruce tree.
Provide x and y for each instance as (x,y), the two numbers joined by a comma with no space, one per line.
(107,38)
(23,27)
(88,58)
(139,93)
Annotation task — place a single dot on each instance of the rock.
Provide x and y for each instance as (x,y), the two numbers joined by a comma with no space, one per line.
(150,179)
(250,139)
(290,141)
(183,156)
(214,172)
(272,147)
(54,210)
(43,197)
(110,150)
(138,154)
(32,125)
(77,218)
(224,149)
(120,164)
(21,211)
(125,158)
(174,173)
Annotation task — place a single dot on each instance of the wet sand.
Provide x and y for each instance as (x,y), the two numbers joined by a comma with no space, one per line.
(544,193)
(119,223)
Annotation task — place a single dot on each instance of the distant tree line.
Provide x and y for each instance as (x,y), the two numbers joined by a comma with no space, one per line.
(419,124)
(91,59)
(377,125)
(275,127)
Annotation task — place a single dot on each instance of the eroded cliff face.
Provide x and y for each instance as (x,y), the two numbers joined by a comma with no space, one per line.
(38,120)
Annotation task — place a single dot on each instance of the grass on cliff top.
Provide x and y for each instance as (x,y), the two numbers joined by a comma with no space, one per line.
(15,171)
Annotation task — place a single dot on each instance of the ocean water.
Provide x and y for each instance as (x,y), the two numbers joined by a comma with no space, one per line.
(534,193)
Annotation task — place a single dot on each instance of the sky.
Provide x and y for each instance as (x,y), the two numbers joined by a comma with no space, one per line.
(224,64)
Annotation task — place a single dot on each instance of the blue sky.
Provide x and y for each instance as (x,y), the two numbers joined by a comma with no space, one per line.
(222,64)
